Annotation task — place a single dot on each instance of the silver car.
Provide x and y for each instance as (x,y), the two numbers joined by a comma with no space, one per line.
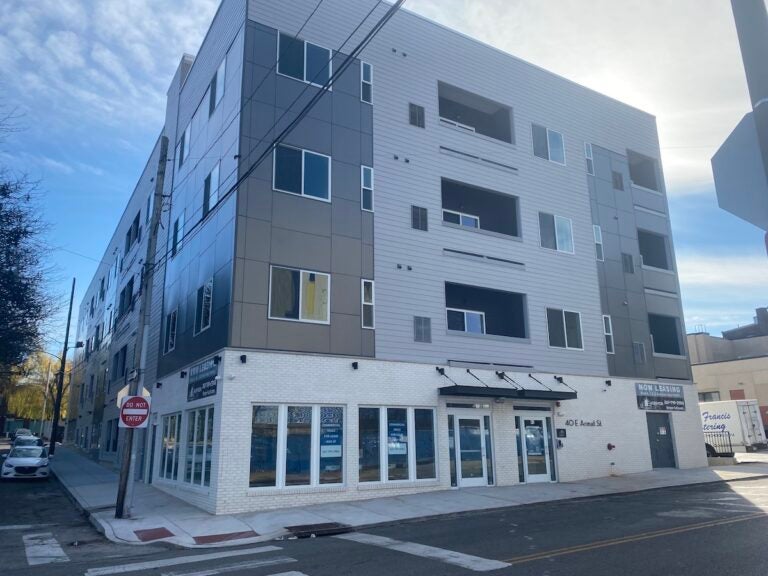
(25,462)
(30,440)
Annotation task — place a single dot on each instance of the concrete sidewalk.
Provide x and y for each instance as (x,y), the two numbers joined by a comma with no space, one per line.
(158,516)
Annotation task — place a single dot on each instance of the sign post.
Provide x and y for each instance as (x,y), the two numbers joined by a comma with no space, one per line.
(134,412)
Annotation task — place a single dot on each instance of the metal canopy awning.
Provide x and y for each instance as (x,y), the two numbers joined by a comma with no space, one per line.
(492,392)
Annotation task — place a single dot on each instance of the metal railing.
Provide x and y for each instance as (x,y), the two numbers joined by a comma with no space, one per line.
(720,442)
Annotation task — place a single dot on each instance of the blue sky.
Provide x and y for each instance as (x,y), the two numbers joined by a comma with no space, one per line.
(91,93)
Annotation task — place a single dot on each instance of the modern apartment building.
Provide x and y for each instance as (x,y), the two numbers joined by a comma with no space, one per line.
(456,270)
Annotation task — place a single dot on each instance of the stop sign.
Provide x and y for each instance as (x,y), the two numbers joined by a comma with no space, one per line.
(134,413)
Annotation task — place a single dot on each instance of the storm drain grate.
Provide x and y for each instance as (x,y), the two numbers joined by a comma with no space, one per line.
(323,529)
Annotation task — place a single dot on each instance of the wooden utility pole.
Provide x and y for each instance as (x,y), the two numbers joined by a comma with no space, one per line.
(60,377)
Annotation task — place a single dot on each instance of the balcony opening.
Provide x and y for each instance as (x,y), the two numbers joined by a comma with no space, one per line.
(474,113)
(642,170)
(478,208)
(653,249)
(472,309)
(665,334)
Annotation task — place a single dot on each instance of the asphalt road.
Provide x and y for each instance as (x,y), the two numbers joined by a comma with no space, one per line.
(711,529)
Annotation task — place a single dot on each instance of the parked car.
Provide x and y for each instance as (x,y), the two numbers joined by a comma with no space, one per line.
(25,462)
(20,432)
(27,441)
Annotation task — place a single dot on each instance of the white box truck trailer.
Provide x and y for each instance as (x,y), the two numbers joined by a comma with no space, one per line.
(735,420)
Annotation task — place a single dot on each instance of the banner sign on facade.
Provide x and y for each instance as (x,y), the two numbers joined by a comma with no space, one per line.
(202,380)
(666,397)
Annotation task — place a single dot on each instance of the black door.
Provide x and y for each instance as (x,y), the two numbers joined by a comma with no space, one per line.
(660,437)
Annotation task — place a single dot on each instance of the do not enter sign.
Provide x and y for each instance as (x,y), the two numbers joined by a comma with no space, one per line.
(134,413)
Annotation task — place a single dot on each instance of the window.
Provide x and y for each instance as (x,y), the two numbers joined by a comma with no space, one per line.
(617,180)
(409,437)
(627,263)
(422,329)
(303,61)
(182,148)
(101,290)
(126,299)
(211,190)
(170,447)
(665,338)
(204,306)
(216,89)
(642,171)
(476,310)
(132,235)
(564,329)
(169,344)
(299,295)
(473,113)
(366,82)
(302,172)
(598,232)
(590,159)
(419,218)
(556,232)
(178,234)
(148,211)
(119,363)
(416,115)
(479,208)
(197,463)
(297,446)
(638,352)
(548,144)
(368,302)
(608,331)
(366,188)
(653,249)
(709,396)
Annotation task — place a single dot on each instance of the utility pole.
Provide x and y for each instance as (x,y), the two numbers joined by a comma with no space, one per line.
(60,377)
(45,398)
(125,486)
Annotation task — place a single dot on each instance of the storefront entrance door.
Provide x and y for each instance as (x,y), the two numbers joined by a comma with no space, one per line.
(535,449)
(660,438)
(471,457)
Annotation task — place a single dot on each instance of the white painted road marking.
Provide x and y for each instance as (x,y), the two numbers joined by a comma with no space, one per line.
(474,563)
(289,574)
(43,549)
(23,526)
(151,565)
(238,566)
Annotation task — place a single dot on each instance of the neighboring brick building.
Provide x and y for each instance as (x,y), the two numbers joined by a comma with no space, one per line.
(457,270)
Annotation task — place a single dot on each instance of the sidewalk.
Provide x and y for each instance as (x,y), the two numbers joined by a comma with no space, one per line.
(158,516)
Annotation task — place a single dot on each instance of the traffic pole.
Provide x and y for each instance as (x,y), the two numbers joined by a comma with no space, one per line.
(60,378)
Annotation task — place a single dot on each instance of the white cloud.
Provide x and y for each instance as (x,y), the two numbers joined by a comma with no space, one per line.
(746,272)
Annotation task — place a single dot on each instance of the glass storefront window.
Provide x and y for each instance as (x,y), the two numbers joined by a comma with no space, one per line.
(264,446)
(298,456)
(331,445)
(169,452)
(519,442)
(488,449)
(397,443)
(199,455)
(424,421)
(368,445)
(452,450)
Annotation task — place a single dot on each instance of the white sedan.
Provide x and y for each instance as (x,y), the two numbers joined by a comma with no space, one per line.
(26,462)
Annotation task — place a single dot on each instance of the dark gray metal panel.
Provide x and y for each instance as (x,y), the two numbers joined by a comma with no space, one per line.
(345,335)
(298,336)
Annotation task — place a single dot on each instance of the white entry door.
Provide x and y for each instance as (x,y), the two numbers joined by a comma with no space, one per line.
(535,445)
(470,434)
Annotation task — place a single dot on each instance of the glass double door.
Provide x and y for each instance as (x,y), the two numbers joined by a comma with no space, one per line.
(535,448)
(472,446)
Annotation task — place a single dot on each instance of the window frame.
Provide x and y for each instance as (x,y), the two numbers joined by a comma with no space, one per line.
(304,153)
(209,194)
(549,145)
(420,115)
(166,340)
(304,45)
(589,157)
(363,303)
(597,232)
(608,333)
(364,82)
(189,461)
(164,453)
(565,329)
(200,307)
(465,312)
(182,147)
(363,188)
(299,319)
(461,216)
(416,210)
(214,97)
(557,248)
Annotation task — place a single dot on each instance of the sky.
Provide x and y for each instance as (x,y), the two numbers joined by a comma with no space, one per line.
(89,90)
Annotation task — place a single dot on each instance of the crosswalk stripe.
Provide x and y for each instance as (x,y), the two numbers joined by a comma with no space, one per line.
(474,563)
(153,564)
(236,567)
(289,574)
(43,549)
(23,526)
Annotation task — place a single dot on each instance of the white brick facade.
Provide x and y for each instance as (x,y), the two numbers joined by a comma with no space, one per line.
(277,378)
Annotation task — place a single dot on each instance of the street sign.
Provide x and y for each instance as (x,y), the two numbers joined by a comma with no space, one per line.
(134,413)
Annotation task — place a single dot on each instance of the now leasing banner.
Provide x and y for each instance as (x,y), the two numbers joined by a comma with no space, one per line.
(202,380)
(663,397)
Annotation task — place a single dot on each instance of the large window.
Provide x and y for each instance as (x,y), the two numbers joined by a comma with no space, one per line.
(665,334)
(297,446)
(709,396)
(366,188)
(653,249)
(131,236)
(396,444)
(564,328)
(171,444)
(303,61)
(556,232)
(211,189)
(169,342)
(548,144)
(476,310)
(366,82)
(642,171)
(368,301)
(204,306)
(177,234)
(216,89)
(478,208)
(299,295)
(197,464)
(473,113)
(302,172)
